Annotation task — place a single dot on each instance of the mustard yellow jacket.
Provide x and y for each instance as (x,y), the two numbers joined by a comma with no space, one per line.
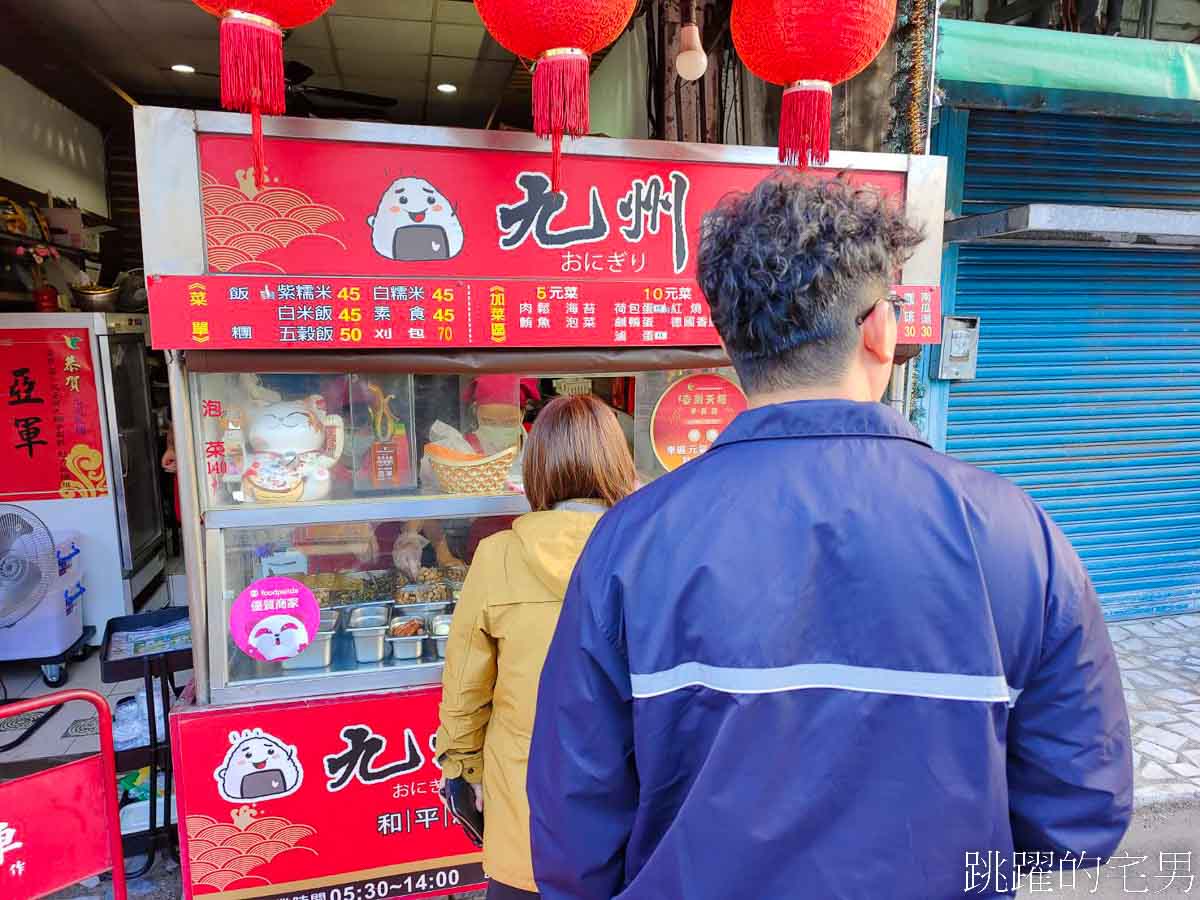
(498,641)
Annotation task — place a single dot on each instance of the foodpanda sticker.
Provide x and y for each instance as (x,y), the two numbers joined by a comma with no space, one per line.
(258,767)
(274,619)
(415,222)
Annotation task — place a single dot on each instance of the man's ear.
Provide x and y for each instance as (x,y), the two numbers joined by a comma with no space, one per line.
(879,333)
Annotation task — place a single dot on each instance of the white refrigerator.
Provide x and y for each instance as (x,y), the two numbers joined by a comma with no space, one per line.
(115,508)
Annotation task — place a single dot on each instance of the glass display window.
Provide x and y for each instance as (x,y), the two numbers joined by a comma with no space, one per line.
(343,510)
(371,599)
(305,438)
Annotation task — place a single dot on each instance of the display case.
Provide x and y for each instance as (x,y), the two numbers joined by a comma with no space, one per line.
(372,491)
(356,348)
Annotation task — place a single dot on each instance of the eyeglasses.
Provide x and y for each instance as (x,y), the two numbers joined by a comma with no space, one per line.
(895,300)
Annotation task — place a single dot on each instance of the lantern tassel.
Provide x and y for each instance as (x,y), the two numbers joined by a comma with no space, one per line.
(804,123)
(252,75)
(561,81)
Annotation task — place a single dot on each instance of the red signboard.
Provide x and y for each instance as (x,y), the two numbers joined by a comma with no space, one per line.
(333,798)
(690,415)
(53,831)
(354,245)
(51,444)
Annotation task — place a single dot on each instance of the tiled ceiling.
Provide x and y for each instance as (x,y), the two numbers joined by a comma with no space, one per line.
(393,48)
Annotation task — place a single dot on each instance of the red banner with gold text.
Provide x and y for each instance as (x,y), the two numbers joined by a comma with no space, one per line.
(51,444)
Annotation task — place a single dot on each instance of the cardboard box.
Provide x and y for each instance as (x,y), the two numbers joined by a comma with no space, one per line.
(66,226)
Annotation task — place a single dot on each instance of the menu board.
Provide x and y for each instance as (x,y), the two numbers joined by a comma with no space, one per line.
(357,245)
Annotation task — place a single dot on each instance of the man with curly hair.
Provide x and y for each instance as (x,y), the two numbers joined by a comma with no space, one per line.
(822,660)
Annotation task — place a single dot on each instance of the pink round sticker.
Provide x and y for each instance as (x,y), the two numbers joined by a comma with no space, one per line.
(274,618)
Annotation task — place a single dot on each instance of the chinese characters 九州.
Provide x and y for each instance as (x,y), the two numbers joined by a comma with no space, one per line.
(640,210)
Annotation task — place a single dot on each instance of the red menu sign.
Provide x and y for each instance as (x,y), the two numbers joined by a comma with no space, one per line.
(338,802)
(690,415)
(51,445)
(355,245)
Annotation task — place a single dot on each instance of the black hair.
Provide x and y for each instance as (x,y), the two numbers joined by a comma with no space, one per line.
(786,267)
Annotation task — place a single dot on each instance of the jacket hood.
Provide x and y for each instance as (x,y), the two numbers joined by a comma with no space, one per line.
(552,541)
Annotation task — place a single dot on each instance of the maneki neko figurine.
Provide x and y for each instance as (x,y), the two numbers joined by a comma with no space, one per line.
(289,449)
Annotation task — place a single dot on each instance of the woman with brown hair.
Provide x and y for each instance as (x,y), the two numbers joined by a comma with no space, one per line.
(577,464)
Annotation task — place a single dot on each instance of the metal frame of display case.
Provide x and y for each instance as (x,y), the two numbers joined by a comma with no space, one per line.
(173,243)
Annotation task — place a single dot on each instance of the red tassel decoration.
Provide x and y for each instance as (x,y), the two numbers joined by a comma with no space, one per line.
(252,74)
(561,83)
(804,123)
(807,46)
(561,35)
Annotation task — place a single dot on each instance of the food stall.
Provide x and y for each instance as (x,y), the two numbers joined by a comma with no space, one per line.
(355,347)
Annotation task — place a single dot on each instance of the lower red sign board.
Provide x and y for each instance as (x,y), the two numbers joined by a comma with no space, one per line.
(263,312)
(53,829)
(325,799)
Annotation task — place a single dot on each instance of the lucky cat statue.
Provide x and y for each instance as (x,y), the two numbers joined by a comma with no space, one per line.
(290,448)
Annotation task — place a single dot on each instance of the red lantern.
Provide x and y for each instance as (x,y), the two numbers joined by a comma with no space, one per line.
(808,46)
(561,37)
(252,57)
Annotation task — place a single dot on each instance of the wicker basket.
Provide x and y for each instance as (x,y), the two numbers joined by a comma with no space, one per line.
(482,476)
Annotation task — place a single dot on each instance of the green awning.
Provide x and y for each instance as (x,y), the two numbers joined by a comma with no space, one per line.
(1054,60)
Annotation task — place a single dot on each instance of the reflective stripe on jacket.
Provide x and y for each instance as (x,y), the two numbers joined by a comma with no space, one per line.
(823,661)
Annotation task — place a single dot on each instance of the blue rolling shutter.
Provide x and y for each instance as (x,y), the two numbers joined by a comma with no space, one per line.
(1015,158)
(1088,396)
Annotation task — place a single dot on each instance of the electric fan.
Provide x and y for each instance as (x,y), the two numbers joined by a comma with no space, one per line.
(27,563)
(42,588)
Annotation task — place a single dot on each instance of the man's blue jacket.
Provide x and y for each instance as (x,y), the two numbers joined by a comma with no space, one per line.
(824,661)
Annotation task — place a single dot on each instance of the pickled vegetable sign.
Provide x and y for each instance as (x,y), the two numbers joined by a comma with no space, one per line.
(690,416)
(338,802)
(339,252)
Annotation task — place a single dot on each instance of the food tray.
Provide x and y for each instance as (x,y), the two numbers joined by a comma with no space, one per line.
(369,643)
(441,646)
(424,610)
(317,655)
(406,647)
(358,589)
(359,604)
(423,590)
(368,627)
(371,615)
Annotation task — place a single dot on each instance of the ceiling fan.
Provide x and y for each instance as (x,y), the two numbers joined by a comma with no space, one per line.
(319,102)
(309,100)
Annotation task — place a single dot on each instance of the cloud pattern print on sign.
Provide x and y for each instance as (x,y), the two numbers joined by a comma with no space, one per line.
(243,223)
(221,855)
(415,222)
(258,767)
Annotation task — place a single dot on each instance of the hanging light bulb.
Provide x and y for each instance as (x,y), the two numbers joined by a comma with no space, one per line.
(692,62)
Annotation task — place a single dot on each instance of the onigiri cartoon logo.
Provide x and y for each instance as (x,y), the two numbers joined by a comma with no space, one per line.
(415,222)
(258,767)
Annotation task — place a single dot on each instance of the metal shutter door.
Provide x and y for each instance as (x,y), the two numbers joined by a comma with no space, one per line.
(1088,396)
(1022,157)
